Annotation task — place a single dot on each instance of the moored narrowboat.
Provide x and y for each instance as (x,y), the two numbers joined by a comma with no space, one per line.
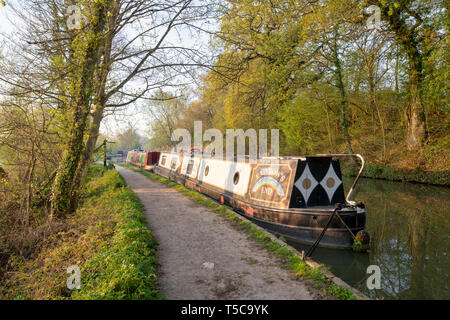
(295,197)
(143,159)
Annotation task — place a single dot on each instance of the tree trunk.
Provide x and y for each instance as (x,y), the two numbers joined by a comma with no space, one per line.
(61,190)
(408,40)
(94,129)
(375,108)
(80,104)
(329,128)
(97,113)
(343,119)
(93,132)
(343,103)
(414,110)
(397,67)
(29,181)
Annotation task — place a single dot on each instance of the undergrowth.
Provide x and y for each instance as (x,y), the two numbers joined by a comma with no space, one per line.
(107,238)
(377,171)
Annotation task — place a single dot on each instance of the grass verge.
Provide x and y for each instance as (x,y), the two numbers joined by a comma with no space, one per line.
(107,238)
(290,259)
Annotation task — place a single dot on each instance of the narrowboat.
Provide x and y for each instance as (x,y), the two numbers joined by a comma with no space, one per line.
(143,159)
(294,197)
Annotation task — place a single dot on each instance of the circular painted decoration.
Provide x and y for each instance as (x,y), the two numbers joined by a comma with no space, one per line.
(306,183)
(330,182)
(236,178)
(206,170)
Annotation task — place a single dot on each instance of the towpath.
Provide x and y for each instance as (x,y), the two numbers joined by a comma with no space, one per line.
(201,256)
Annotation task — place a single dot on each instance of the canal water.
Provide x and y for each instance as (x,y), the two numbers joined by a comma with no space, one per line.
(409,226)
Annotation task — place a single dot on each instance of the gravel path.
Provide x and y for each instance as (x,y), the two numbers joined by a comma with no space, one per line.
(202,256)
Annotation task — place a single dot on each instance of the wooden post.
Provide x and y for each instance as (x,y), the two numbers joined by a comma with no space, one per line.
(104,152)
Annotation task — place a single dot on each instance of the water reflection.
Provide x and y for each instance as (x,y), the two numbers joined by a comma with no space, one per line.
(409,225)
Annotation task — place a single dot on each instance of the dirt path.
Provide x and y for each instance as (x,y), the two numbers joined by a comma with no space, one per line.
(202,256)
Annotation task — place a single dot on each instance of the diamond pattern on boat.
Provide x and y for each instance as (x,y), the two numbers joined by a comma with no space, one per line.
(330,182)
(306,183)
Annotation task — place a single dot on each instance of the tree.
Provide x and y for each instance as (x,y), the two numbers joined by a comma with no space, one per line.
(148,57)
(85,46)
(275,50)
(165,112)
(129,139)
(96,69)
(28,151)
(411,23)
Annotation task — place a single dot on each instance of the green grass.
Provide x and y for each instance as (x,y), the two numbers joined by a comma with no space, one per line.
(107,238)
(124,267)
(290,259)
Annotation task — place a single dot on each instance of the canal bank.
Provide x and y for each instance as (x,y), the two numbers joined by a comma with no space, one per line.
(203,256)
(409,226)
(376,171)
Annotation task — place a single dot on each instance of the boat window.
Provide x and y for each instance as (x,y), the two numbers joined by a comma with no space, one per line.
(206,170)
(173,165)
(189,167)
(163,160)
(236,178)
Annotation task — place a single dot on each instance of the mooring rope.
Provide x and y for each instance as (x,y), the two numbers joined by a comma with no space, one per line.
(313,247)
(340,218)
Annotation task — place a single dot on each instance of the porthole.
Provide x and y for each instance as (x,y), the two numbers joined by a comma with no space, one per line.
(206,170)
(190,167)
(236,178)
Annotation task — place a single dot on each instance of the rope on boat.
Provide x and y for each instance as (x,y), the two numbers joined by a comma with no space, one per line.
(313,247)
(340,218)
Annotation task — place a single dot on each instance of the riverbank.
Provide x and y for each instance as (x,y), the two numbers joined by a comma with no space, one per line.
(375,171)
(107,238)
(320,279)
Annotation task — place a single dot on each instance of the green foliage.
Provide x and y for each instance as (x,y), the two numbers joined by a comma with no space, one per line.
(107,238)
(124,267)
(164,115)
(298,121)
(312,69)
(342,293)
(376,171)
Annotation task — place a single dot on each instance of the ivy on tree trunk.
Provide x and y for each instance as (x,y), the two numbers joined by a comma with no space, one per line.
(86,53)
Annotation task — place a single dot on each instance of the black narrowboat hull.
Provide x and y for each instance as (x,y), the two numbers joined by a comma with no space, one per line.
(301,225)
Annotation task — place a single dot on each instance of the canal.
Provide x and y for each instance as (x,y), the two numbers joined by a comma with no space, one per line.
(409,226)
